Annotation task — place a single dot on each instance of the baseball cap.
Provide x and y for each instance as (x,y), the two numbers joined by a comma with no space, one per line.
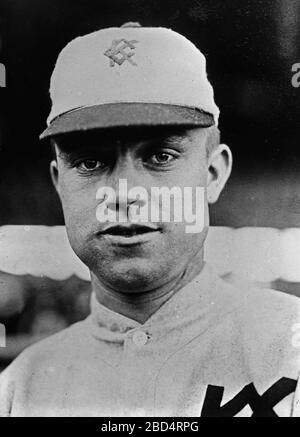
(130,76)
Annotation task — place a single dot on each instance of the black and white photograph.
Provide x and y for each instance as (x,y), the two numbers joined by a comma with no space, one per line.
(150,211)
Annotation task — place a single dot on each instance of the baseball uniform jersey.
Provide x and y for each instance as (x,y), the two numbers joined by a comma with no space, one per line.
(213,349)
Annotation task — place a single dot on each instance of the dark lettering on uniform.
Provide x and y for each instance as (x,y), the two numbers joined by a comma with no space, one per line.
(261,405)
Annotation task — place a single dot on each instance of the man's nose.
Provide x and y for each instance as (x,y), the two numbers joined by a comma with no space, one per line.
(126,178)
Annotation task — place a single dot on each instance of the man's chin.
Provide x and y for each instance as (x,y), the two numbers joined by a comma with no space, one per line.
(132,276)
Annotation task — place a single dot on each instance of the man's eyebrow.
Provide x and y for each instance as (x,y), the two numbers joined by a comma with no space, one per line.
(71,148)
(179,137)
(176,138)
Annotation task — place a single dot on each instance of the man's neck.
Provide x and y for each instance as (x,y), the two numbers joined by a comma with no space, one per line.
(139,306)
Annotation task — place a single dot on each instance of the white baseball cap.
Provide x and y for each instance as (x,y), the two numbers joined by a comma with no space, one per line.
(130,76)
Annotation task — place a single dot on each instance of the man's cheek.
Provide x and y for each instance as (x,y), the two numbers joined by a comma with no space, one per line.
(77,197)
(79,214)
(183,241)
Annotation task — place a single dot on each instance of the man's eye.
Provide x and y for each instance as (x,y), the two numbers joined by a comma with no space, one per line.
(89,165)
(162,158)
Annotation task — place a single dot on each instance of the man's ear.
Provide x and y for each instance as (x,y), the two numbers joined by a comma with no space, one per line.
(219,169)
(54,175)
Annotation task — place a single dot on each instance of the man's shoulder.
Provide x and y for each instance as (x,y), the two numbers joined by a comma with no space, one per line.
(56,347)
(46,358)
(266,302)
(260,311)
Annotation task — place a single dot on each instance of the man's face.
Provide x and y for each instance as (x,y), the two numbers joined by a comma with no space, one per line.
(130,260)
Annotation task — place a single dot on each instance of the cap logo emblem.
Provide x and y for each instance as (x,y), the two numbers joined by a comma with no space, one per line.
(120,51)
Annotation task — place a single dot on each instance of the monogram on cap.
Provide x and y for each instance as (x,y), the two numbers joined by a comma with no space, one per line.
(118,52)
(121,50)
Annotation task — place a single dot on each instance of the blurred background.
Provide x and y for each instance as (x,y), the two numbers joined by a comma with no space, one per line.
(250,47)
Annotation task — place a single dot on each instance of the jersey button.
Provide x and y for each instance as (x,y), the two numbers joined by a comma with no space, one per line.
(140,338)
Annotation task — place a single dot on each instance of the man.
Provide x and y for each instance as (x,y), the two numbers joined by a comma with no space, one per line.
(132,107)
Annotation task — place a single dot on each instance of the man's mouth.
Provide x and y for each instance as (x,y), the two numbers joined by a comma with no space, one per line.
(129,231)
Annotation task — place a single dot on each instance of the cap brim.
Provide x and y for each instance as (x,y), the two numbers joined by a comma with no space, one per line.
(117,115)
